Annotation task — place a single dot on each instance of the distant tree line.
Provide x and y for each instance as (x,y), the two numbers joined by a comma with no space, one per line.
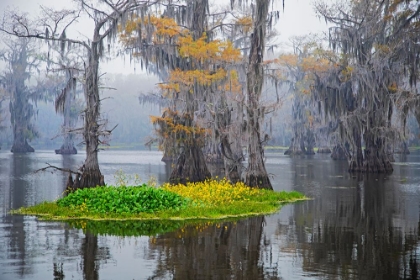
(352,92)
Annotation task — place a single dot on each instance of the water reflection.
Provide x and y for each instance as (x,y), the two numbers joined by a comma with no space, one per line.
(129,228)
(228,250)
(90,252)
(15,230)
(362,227)
(355,227)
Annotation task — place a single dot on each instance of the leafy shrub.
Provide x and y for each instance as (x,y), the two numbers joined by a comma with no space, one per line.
(123,199)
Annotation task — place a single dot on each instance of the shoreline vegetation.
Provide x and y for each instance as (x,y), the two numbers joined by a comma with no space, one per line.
(269,147)
(210,200)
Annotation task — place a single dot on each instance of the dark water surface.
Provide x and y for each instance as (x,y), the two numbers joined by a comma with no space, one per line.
(353,228)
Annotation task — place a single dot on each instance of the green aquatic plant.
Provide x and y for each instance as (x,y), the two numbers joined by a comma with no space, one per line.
(212,199)
(123,199)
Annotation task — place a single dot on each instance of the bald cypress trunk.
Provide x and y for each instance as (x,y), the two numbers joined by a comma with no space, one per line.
(338,152)
(68,144)
(376,158)
(91,175)
(21,111)
(310,142)
(295,146)
(417,112)
(376,154)
(356,159)
(191,165)
(256,174)
(232,156)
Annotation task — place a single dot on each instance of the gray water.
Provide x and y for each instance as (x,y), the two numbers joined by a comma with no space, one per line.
(364,227)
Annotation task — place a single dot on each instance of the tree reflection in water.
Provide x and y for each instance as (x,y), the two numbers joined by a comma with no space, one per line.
(19,186)
(89,251)
(361,229)
(227,250)
(354,228)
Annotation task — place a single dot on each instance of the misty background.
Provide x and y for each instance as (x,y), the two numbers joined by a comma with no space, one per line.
(123,82)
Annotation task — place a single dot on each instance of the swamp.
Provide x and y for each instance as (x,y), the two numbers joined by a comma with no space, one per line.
(213,89)
(353,227)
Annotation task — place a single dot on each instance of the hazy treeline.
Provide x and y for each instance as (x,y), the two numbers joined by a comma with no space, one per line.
(120,106)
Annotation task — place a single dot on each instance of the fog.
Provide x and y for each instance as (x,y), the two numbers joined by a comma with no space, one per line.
(120,104)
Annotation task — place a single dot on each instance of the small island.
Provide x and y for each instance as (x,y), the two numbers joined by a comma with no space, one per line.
(212,199)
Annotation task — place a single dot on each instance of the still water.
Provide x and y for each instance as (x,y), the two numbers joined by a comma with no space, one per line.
(353,228)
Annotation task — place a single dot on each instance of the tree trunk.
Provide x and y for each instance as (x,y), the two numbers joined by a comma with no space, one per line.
(190,166)
(323,140)
(310,142)
(402,148)
(21,111)
(91,174)
(66,149)
(20,145)
(417,112)
(324,150)
(376,157)
(256,174)
(338,153)
(295,147)
(212,152)
(68,146)
(232,158)
(232,163)
(356,158)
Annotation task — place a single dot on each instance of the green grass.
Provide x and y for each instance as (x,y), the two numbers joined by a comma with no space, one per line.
(148,203)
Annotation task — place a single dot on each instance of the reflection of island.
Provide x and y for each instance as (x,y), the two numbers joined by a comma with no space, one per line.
(364,228)
(188,249)
(223,250)
(127,228)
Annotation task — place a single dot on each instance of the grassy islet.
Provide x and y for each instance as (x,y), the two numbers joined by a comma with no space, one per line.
(211,199)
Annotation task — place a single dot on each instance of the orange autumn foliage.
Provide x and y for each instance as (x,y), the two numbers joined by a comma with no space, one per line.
(209,63)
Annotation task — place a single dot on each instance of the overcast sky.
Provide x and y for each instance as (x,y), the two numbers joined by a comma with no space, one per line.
(298,19)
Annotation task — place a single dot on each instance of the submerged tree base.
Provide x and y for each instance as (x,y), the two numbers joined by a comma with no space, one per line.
(66,151)
(205,200)
(293,152)
(258,180)
(87,178)
(190,166)
(25,148)
(324,150)
(373,166)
